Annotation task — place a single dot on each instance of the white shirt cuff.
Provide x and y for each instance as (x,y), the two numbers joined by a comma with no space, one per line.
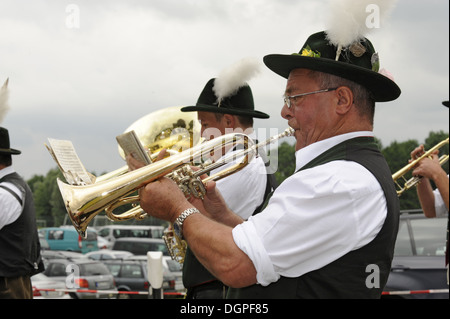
(247,239)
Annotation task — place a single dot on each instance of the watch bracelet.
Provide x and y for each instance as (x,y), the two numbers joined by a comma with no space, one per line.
(180,219)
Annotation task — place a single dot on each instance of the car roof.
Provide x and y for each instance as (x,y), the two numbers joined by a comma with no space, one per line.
(74,260)
(122,261)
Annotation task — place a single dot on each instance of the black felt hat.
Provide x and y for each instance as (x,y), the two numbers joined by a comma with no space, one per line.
(445,103)
(240,103)
(4,143)
(358,63)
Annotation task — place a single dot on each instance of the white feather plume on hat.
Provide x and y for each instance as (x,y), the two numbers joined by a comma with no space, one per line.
(4,97)
(231,79)
(348,20)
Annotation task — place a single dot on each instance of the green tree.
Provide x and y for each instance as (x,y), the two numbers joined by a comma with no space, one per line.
(435,138)
(47,199)
(397,156)
(286,162)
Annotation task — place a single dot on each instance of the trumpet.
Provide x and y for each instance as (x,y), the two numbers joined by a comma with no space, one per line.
(83,203)
(411,182)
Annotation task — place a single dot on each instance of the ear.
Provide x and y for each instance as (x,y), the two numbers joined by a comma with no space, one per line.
(229,120)
(344,100)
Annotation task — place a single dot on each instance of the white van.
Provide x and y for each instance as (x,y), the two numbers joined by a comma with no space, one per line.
(112,232)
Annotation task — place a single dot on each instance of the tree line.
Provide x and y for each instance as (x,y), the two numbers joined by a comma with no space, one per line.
(50,209)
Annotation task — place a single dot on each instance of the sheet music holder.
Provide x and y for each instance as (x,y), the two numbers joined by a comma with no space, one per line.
(64,154)
(131,145)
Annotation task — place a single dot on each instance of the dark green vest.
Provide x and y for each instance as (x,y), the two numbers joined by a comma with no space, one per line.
(347,276)
(20,253)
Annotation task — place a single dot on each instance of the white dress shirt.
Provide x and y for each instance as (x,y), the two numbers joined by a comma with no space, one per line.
(10,208)
(244,191)
(314,217)
(439,204)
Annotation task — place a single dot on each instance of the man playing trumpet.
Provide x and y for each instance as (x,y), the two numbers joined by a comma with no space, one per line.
(434,202)
(329,230)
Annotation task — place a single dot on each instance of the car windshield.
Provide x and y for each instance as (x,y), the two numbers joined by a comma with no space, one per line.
(421,237)
(93,269)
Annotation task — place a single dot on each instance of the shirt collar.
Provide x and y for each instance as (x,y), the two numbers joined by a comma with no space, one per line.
(6,171)
(308,153)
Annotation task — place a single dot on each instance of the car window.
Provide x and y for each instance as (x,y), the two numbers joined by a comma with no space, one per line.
(161,247)
(421,237)
(114,269)
(429,236)
(104,232)
(57,269)
(56,234)
(131,271)
(157,233)
(403,245)
(141,248)
(93,269)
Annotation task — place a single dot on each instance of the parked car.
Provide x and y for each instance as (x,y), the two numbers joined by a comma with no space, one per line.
(83,274)
(67,238)
(130,276)
(106,254)
(102,243)
(112,232)
(419,257)
(140,246)
(176,270)
(171,279)
(41,281)
(44,244)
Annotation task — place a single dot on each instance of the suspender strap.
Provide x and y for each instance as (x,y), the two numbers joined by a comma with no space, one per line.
(12,193)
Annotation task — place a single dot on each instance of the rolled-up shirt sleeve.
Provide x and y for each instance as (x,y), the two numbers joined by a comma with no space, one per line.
(243,235)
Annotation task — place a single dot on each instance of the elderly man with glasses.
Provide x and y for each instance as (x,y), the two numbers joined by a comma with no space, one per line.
(329,230)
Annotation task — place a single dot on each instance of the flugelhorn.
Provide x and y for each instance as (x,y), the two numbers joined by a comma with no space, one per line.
(83,203)
(411,182)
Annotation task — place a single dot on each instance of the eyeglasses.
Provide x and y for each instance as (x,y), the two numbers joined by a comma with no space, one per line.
(288,99)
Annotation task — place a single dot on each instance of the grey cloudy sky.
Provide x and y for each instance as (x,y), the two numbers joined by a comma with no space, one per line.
(90,81)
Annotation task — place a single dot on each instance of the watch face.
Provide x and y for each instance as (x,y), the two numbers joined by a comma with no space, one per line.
(177,229)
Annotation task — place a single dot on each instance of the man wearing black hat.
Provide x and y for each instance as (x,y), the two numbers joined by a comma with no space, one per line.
(329,230)
(434,202)
(244,192)
(19,243)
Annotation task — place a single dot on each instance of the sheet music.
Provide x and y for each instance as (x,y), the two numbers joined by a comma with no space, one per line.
(64,154)
(130,144)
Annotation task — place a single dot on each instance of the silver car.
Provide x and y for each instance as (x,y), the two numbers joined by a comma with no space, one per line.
(83,274)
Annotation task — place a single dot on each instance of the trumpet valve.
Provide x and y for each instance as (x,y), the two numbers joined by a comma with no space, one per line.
(189,183)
